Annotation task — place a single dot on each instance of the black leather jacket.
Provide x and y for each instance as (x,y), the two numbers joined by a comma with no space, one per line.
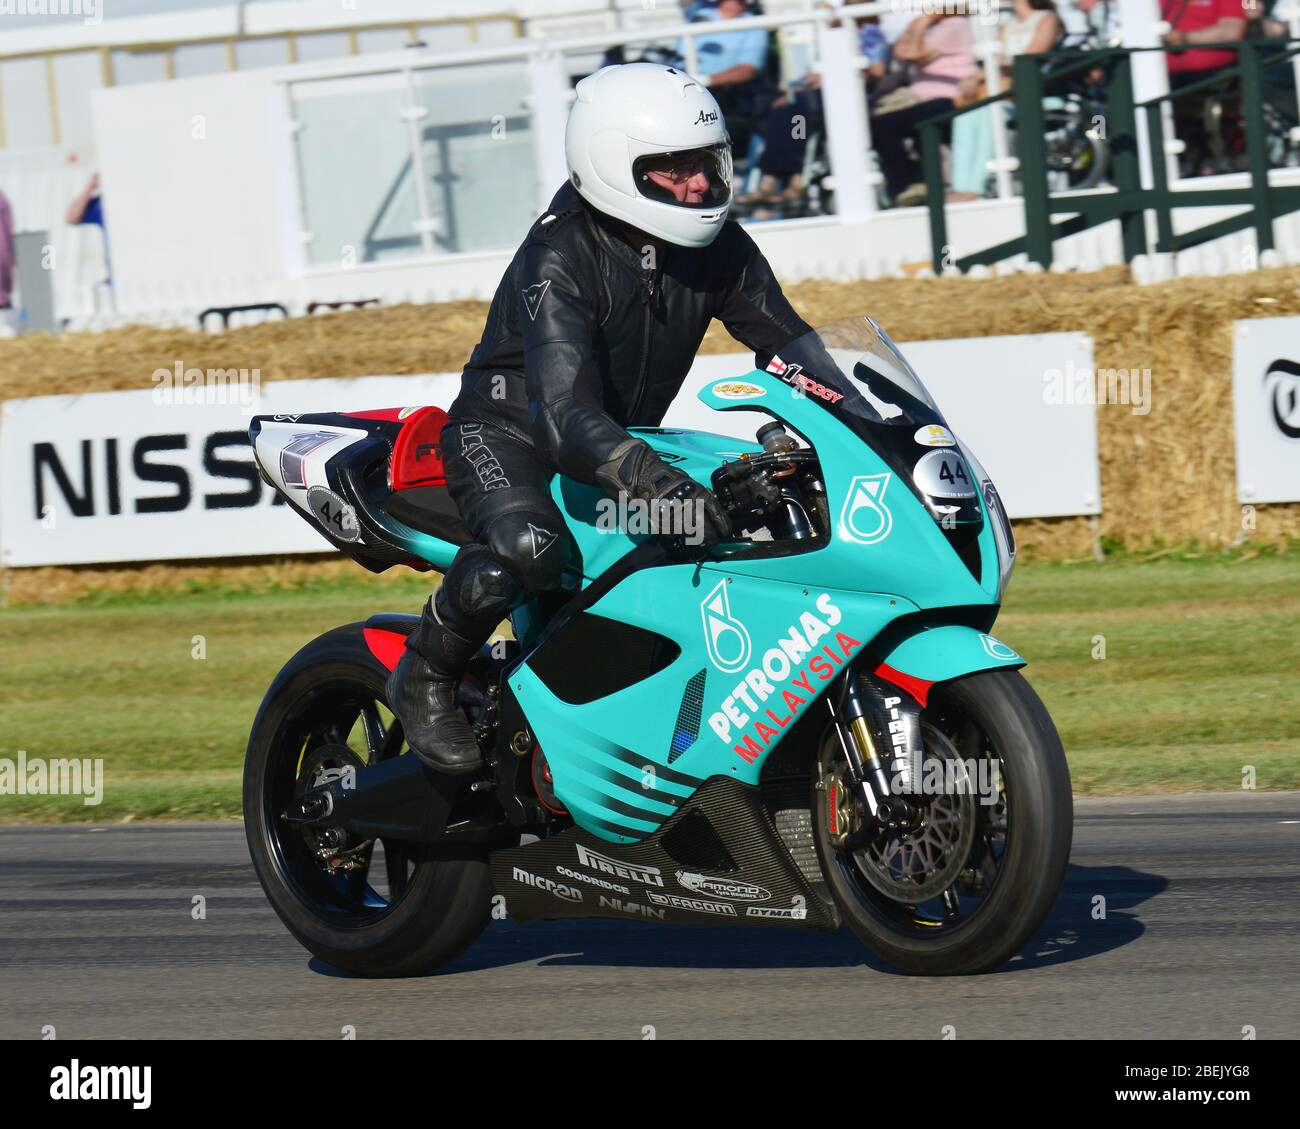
(587,336)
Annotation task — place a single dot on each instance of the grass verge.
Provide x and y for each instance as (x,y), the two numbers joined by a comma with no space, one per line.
(1168,675)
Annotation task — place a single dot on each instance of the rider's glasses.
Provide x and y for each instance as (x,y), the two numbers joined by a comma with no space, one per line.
(657,175)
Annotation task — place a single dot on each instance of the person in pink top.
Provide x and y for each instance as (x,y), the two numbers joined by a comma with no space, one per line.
(6,254)
(939,52)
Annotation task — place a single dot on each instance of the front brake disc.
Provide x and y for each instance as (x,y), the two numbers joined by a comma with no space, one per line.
(922,863)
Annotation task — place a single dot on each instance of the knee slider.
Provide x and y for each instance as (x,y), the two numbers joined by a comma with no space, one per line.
(479,586)
(533,545)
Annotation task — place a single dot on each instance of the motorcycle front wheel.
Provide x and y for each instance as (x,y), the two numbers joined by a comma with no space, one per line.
(964,889)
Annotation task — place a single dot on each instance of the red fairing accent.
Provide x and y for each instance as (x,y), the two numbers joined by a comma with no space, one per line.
(417,458)
(532,767)
(392,415)
(919,688)
(386,646)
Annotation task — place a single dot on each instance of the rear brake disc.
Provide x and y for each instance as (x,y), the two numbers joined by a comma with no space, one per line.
(324,765)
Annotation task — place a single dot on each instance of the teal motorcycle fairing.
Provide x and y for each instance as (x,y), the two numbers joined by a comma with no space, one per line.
(753,657)
(756,637)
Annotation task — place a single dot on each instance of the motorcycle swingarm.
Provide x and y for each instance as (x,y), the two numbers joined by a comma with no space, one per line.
(401,799)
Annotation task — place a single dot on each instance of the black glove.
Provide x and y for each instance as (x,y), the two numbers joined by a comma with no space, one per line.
(635,470)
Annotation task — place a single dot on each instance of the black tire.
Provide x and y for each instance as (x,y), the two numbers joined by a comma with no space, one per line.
(1035,843)
(438,902)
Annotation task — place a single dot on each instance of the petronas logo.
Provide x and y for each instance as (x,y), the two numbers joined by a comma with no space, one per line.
(865,517)
(996,649)
(724,636)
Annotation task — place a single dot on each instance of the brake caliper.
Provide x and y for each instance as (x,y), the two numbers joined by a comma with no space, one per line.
(843,815)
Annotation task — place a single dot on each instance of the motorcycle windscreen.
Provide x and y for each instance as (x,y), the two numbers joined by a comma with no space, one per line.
(856,368)
(856,359)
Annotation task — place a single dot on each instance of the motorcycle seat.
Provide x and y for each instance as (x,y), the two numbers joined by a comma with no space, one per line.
(430,510)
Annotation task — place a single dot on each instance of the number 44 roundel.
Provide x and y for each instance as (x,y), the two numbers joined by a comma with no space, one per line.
(334,513)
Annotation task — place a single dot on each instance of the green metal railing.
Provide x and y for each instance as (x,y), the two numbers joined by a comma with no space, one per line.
(1128,202)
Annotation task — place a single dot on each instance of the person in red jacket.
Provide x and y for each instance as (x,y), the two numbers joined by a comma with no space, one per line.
(1193,22)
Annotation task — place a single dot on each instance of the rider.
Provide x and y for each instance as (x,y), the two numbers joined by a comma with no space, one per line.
(592,330)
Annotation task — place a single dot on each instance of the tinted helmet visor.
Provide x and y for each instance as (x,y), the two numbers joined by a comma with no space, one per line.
(689,178)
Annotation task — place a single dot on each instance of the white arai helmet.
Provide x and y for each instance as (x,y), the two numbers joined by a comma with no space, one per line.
(647,144)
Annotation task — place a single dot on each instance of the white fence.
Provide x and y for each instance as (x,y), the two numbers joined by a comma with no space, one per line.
(333,180)
(49,66)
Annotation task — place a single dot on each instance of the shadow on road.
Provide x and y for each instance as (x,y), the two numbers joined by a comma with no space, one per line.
(1080,925)
(1072,932)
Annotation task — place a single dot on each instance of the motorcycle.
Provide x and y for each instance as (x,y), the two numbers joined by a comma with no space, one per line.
(1074,113)
(806,726)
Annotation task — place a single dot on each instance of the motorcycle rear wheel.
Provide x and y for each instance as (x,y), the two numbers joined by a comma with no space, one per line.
(415,912)
(1006,875)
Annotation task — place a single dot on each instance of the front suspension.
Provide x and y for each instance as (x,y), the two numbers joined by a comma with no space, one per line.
(879,730)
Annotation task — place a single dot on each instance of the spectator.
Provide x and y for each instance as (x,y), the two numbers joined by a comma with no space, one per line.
(1270,25)
(732,58)
(874,47)
(895,22)
(1034,28)
(1278,82)
(784,146)
(1201,21)
(730,63)
(6,259)
(1194,22)
(88,208)
(940,52)
(1095,20)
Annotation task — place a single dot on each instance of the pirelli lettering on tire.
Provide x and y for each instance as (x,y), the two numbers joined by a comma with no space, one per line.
(628,871)
(697,905)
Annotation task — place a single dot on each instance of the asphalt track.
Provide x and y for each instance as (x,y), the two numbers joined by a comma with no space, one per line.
(1200,939)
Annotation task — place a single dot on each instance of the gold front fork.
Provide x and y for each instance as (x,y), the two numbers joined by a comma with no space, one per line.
(862,738)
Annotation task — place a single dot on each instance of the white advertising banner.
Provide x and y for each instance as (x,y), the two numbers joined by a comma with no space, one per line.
(1266,409)
(1025,405)
(118,476)
(131,476)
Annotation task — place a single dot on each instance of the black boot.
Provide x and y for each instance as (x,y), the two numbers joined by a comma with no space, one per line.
(422,694)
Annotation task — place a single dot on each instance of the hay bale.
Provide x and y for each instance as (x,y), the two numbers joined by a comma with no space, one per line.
(1167,476)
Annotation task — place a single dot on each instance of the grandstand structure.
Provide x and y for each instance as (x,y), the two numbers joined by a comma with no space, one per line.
(284,155)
